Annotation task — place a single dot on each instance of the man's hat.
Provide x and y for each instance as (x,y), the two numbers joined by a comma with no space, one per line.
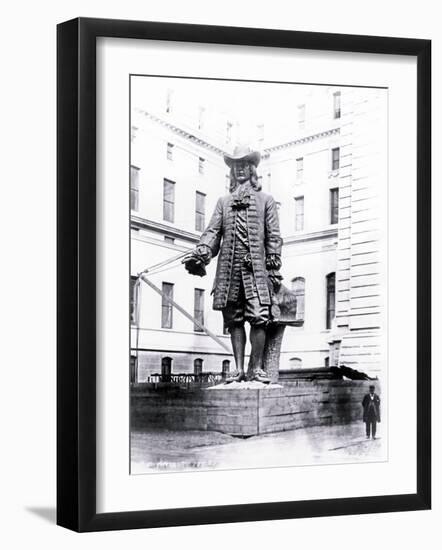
(243,152)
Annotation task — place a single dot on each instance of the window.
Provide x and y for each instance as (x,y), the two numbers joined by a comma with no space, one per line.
(337,105)
(133,300)
(327,361)
(299,168)
(200,211)
(201,113)
(133,369)
(299,213)
(295,363)
(169,240)
(229,132)
(335,158)
(166,369)
(260,132)
(198,366)
(169,151)
(301,117)
(169,101)
(331,297)
(227,183)
(166,306)
(134,187)
(226,367)
(168,200)
(198,309)
(201,162)
(298,287)
(334,205)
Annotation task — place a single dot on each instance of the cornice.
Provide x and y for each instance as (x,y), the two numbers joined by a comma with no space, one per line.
(266,151)
(182,133)
(313,236)
(136,222)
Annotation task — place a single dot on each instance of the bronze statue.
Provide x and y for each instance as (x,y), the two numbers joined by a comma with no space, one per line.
(244,230)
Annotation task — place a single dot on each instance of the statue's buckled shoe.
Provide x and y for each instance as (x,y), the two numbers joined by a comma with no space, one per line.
(235,377)
(260,376)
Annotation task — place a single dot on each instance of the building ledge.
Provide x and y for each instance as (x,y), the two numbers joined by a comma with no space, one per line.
(312,236)
(136,222)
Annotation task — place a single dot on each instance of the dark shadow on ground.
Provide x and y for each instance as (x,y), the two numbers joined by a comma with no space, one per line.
(48,514)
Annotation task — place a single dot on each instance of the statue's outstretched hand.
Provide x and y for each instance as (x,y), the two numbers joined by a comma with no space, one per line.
(195,262)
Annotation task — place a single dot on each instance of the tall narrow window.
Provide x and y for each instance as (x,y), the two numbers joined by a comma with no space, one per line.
(201,165)
(133,300)
(198,366)
(299,168)
(299,213)
(200,211)
(169,101)
(225,368)
(168,200)
(166,369)
(201,117)
(133,369)
(335,158)
(331,298)
(337,105)
(301,117)
(198,310)
(166,306)
(227,185)
(298,287)
(169,151)
(260,132)
(134,187)
(228,131)
(334,205)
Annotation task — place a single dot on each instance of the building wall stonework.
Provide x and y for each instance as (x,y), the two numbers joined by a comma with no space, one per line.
(352,248)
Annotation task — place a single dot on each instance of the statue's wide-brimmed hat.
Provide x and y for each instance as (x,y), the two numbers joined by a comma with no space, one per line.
(243,152)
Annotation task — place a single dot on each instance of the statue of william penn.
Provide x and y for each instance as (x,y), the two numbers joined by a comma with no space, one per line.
(244,231)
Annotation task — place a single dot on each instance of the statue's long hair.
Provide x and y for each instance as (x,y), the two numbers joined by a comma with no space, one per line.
(254,181)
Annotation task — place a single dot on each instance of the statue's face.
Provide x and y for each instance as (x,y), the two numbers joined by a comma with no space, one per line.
(241,171)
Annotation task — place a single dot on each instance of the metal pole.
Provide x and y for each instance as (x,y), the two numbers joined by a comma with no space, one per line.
(143,277)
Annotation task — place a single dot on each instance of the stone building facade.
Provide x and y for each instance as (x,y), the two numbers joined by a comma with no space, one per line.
(326,169)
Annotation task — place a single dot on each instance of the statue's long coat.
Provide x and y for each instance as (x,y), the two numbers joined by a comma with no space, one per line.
(264,239)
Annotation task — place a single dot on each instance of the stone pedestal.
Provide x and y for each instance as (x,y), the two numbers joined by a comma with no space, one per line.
(247,412)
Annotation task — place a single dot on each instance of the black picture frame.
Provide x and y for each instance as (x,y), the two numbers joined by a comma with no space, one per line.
(76,273)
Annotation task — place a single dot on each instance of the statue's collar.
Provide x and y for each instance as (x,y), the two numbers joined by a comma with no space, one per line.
(241,196)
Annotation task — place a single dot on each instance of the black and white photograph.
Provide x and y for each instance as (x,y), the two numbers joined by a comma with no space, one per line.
(258,274)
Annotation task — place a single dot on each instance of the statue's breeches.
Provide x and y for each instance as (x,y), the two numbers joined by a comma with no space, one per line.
(243,309)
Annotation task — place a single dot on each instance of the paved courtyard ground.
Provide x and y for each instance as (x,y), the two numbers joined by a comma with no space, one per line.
(167,450)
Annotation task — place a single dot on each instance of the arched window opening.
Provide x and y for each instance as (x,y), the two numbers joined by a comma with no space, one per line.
(198,367)
(295,363)
(225,368)
(166,369)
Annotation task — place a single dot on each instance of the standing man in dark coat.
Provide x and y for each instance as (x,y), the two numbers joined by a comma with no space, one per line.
(244,230)
(372,411)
